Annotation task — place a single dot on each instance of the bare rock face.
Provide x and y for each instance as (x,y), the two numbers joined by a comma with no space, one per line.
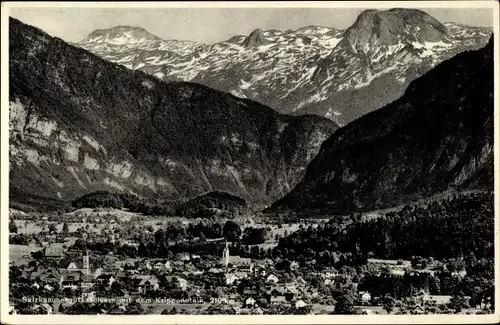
(438,136)
(256,38)
(81,124)
(390,27)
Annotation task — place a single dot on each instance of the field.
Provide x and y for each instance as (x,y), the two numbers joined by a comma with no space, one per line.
(30,227)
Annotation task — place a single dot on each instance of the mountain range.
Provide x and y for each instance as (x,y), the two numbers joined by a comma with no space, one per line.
(438,136)
(79,124)
(338,74)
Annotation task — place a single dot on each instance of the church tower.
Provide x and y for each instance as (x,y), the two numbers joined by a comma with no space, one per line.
(86,263)
(225,257)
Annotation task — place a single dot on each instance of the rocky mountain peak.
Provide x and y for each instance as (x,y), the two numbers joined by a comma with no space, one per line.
(390,27)
(120,34)
(256,38)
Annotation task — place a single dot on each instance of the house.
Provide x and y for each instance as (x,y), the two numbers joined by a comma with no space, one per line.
(272,279)
(88,295)
(49,287)
(158,266)
(104,270)
(121,275)
(53,252)
(132,243)
(75,266)
(329,281)
(260,269)
(147,285)
(250,301)
(231,278)
(245,268)
(49,274)
(258,311)
(127,264)
(71,280)
(145,264)
(277,291)
(300,304)
(249,292)
(329,273)
(191,269)
(459,274)
(431,272)
(365,295)
(417,309)
(292,289)
(109,270)
(183,284)
(215,270)
(97,272)
(87,281)
(421,293)
(294,265)
(436,299)
(239,261)
(399,272)
(278,300)
(105,279)
(300,281)
(12,310)
(33,243)
(241,275)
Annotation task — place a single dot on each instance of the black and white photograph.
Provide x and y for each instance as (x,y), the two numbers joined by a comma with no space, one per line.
(250,160)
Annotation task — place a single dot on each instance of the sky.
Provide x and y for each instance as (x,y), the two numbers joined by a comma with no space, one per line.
(210,25)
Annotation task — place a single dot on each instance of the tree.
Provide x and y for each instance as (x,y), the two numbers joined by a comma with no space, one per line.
(134,308)
(345,305)
(12,226)
(159,236)
(65,229)
(52,227)
(389,303)
(231,231)
(254,236)
(458,302)
(38,255)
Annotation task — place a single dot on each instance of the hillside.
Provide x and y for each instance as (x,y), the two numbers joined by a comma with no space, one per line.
(79,124)
(438,136)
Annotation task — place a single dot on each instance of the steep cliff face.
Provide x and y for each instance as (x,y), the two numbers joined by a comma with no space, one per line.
(438,136)
(80,124)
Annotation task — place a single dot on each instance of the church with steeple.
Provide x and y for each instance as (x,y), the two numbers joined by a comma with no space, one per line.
(225,257)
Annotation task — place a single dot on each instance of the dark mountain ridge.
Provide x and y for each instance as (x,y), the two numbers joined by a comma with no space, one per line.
(80,124)
(437,136)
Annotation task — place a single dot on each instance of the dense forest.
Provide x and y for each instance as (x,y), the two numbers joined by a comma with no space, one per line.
(211,204)
(452,227)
